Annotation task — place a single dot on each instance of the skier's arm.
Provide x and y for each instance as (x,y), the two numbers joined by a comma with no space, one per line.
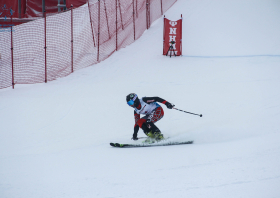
(158,99)
(136,127)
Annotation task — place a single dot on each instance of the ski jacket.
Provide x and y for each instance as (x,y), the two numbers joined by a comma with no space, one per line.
(146,106)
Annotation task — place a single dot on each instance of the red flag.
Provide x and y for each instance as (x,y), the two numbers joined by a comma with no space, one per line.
(172,31)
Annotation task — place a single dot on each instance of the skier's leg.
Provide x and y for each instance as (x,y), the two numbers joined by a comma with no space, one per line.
(143,125)
(152,127)
(146,129)
(146,123)
(155,132)
(155,116)
(147,126)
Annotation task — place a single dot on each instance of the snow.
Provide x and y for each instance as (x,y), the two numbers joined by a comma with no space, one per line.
(54,138)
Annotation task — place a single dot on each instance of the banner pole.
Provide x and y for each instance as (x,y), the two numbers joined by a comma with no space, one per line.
(12,53)
(136,9)
(133,18)
(72,47)
(98,39)
(120,9)
(107,19)
(181,35)
(163,32)
(116,25)
(161,7)
(45,33)
(91,23)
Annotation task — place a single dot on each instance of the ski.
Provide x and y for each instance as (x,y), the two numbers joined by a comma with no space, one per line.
(149,145)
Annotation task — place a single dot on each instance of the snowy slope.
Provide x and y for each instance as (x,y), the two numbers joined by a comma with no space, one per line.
(54,137)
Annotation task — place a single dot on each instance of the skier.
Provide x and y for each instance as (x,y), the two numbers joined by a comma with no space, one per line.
(153,112)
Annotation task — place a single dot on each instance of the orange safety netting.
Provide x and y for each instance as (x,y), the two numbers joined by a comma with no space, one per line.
(55,46)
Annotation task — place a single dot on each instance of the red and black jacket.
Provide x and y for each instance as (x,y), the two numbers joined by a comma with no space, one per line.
(147,100)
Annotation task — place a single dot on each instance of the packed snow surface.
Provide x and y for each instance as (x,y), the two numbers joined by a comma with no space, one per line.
(54,137)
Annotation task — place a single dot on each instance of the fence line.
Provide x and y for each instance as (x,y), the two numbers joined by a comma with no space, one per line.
(56,45)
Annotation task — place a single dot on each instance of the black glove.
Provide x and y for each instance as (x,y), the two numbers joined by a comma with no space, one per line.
(134,137)
(169,105)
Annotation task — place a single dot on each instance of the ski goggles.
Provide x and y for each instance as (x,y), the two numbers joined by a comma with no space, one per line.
(131,102)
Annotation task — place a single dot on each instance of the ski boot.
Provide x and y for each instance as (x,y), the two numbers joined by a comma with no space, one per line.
(156,132)
(158,136)
(150,139)
(149,133)
(154,137)
(152,132)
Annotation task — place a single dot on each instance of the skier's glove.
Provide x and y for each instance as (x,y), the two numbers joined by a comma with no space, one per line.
(134,137)
(169,105)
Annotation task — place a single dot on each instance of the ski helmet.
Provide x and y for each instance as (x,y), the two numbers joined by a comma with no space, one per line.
(131,98)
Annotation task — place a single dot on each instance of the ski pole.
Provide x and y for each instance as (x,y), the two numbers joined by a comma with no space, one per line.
(188,112)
